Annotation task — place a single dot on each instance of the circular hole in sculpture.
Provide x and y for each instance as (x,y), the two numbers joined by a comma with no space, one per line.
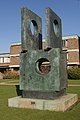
(33,27)
(56,28)
(43,66)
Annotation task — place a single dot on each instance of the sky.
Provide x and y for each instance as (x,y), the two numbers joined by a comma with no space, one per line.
(10,18)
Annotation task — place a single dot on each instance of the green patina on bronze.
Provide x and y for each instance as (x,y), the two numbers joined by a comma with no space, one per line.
(30,41)
(43,73)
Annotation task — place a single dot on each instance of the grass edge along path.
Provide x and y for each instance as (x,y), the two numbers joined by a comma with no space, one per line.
(16,82)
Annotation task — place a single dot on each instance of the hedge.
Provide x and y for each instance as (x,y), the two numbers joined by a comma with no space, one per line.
(11,75)
(74,73)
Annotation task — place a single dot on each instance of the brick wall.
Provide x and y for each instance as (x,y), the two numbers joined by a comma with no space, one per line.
(73,50)
(73,56)
(15,49)
(14,60)
(44,45)
(72,44)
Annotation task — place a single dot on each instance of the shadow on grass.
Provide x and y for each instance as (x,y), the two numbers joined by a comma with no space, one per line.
(18,91)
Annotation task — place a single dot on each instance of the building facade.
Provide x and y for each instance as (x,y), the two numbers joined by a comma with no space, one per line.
(70,44)
(4,61)
(15,50)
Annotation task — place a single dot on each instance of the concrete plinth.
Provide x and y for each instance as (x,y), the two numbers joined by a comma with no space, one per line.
(60,104)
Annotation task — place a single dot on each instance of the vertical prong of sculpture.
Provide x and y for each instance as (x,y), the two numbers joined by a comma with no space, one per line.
(35,82)
(29,40)
(53,30)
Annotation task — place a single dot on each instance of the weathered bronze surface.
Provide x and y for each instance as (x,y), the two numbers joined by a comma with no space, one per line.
(53,30)
(30,41)
(43,73)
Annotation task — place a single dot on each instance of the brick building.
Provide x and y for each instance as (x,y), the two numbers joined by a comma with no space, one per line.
(70,43)
(4,61)
(15,50)
(11,61)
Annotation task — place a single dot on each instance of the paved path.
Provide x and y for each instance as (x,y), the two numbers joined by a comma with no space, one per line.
(73,85)
(8,83)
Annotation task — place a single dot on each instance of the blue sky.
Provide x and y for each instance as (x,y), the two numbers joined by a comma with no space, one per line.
(10,18)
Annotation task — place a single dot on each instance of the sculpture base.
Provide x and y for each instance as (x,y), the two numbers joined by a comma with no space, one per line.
(43,95)
(60,104)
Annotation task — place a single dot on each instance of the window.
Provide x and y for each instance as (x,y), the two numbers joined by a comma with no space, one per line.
(64,43)
(1,60)
(6,60)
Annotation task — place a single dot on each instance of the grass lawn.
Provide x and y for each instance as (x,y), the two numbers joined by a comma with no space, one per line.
(74,82)
(7,113)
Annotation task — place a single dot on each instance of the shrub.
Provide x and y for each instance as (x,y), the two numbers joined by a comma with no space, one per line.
(1,75)
(74,73)
(11,75)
